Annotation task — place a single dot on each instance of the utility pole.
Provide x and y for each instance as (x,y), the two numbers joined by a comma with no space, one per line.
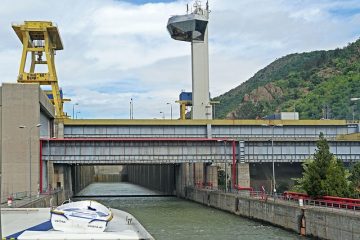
(171,116)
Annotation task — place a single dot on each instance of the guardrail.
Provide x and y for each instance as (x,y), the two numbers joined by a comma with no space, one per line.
(264,196)
(19,199)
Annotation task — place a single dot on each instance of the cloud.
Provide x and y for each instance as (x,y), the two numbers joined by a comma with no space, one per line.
(117,50)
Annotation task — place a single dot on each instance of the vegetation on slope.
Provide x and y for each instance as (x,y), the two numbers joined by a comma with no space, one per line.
(316,84)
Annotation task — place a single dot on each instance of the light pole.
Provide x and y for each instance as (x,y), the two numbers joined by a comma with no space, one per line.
(78,112)
(272,152)
(75,104)
(131,108)
(170,109)
(163,115)
(30,155)
(353,113)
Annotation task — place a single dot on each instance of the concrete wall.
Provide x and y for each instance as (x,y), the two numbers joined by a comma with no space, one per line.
(160,177)
(319,222)
(113,173)
(327,224)
(22,105)
(55,199)
(81,177)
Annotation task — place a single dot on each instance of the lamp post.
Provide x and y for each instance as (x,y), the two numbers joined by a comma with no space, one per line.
(78,112)
(75,104)
(30,155)
(170,109)
(353,113)
(163,115)
(131,108)
(272,152)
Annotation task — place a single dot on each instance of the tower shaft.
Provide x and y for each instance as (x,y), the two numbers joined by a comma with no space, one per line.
(201,108)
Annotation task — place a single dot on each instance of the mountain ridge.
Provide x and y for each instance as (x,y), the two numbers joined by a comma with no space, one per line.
(317,84)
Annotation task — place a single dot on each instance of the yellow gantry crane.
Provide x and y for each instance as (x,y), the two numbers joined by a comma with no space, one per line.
(42,39)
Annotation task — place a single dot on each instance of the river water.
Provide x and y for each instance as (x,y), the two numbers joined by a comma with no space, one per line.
(174,218)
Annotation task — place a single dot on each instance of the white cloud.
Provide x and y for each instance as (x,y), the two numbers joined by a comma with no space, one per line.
(115,51)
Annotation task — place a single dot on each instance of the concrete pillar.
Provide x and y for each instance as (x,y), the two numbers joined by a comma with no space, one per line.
(199,173)
(243,173)
(211,176)
(59,129)
(200,79)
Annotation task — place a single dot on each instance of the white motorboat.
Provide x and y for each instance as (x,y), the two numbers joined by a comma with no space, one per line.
(81,217)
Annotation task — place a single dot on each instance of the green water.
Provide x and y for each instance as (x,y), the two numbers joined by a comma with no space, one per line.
(174,218)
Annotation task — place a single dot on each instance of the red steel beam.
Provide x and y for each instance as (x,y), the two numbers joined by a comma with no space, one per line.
(135,139)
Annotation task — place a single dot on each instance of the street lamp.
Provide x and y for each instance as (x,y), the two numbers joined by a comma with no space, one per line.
(78,112)
(353,113)
(22,126)
(131,108)
(76,104)
(272,152)
(163,115)
(170,109)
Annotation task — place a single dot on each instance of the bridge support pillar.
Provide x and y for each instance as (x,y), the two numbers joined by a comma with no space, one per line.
(211,177)
(199,174)
(243,174)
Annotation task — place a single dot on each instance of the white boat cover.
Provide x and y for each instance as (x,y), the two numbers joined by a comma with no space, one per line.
(80,217)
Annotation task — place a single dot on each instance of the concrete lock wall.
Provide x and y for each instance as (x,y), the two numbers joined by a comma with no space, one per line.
(319,222)
(55,199)
(335,224)
(22,105)
(112,173)
(81,176)
(160,177)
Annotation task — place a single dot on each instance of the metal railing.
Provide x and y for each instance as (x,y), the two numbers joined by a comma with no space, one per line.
(283,198)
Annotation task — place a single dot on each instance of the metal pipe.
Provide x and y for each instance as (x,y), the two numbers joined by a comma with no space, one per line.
(226,185)
(272,157)
(234,177)
(41,167)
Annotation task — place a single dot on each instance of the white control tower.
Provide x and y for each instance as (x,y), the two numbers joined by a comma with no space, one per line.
(192,27)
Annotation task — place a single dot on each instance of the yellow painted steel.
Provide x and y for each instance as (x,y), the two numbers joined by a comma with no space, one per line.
(183,105)
(202,122)
(40,38)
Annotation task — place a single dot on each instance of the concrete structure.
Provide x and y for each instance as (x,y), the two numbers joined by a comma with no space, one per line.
(193,28)
(197,145)
(23,105)
(323,223)
(98,151)
(26,106)
(246,130)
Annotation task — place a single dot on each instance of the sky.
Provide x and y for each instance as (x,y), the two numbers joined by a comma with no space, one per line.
(117,50)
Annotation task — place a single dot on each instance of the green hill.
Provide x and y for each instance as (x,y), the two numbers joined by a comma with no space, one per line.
(314,83)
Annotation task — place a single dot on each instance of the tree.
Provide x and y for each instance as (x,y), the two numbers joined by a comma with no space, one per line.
(355,179)
(324,174)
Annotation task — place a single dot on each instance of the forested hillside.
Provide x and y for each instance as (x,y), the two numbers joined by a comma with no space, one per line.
(317,84)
